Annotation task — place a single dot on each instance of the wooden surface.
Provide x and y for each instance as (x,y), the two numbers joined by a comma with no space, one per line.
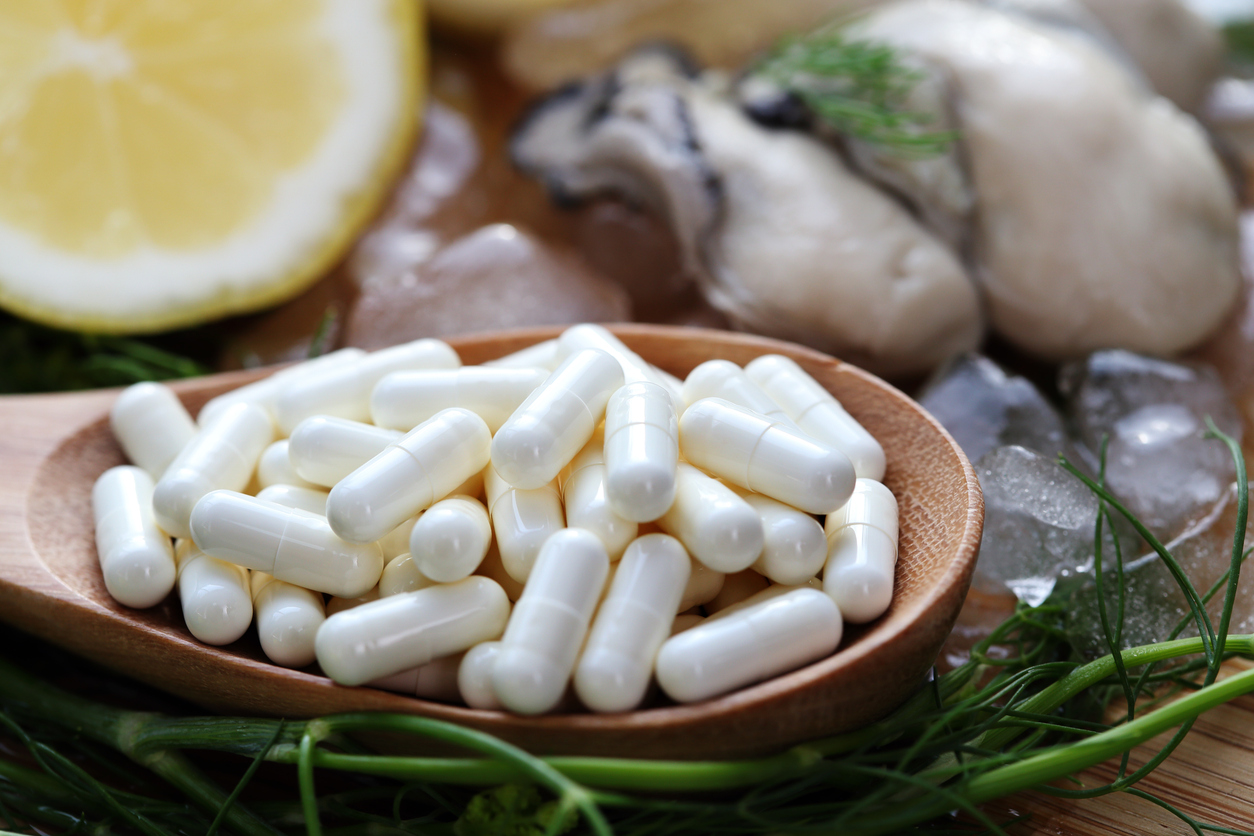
(53,448)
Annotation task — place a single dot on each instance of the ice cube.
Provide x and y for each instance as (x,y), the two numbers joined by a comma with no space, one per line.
(984,407)
(1158,463)
(1038,524)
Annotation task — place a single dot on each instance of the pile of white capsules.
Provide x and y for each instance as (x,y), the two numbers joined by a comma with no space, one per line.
(568,514)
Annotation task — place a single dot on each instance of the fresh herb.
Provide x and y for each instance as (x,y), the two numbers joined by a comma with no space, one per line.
(858,88)
(34,358)
(1022,713)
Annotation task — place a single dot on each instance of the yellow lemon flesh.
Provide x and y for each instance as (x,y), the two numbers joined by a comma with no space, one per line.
(165,162)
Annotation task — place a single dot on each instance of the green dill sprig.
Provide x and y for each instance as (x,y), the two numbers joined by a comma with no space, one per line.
(858,88)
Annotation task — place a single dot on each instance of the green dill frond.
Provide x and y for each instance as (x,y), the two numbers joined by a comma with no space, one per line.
(856,87)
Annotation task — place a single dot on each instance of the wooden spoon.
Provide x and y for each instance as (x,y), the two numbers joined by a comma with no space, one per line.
(54,447)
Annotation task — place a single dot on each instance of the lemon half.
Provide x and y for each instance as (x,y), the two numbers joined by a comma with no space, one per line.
(166,162)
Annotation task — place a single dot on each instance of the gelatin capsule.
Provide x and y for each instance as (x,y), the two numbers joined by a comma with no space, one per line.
(724,379)
(275,467)
(294,546)
(523,520)
(862,552)
(323,449)
(542,641)
(736,588)
(717,527)
(288,619)
(794,546)
(542,355)
(764,456)
(493,568)
(556,420)
(451,538)
(312,500)
(436,680)
(634,619)
(344,390)
(217,604)
(403,400)
(151,425)
(338,604)
(641,451)
(402,574)
(262,393)
(703,586)
(474,676)
(136,557)
(222,456)
(404,631)
(817,412)
(411,474)
(589,335)
(752,644)
(583,488)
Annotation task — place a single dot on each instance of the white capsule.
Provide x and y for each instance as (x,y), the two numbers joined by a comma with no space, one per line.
(636,617)
(817,412)
(685,622)
(794,545)
(703,586)
(288,619)
(262,393)
(275,467)
(344,391)
(587,335)
(474,677)
(338,604)
(323,449)
(754,452)
(217,605)
(522,520)
(472,487)
(411,474)
(291,496)
(737,587)
(724,379)
(542,355)
(151,425)
(717,527)
(582,484)
(136,557)
(404,631)
(402,574)
(862,552)
(755,643)
(436,680)
(493,568)
(451,538)
(222,456)
(641,451)
(556,420)
(294,546)
(772,591)
(396,542)
(403,400)
(550,620)
(672,384)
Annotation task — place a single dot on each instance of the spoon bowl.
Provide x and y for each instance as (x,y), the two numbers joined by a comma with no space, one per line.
(55,446)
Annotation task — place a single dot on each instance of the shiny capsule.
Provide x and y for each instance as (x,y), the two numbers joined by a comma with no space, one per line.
(493,568)
(583,488)
(589,335)
(411,474)
(217,604)
(817,412)
(764,456)
(634,619)
(288,619)
(794,546)
(338,604)
(724,379)
(542,355)
(715,525)
(312,500)
(523,520)
(404,631)
(737,587)
(403,400)
(294,546)
(641,451)
(703,586)
(275,467)
(556,420)
(344,391)
(752,644)
(451,538)
(136,557)
(401,574)
(151,425)
(323,449)
(222,456)
(862,552)
(542,641)
(262,393)
(436,680)
(474,676)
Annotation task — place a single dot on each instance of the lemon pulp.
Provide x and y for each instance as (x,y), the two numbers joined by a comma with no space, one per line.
(163,163)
